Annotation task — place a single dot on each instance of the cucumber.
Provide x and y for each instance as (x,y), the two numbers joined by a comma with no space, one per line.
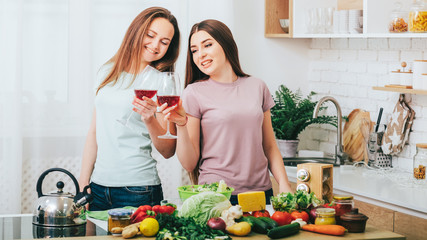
(246,219)
(284,231)
(259,226)
(271,223)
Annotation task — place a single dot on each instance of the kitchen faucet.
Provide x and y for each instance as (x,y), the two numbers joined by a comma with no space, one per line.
(339,153)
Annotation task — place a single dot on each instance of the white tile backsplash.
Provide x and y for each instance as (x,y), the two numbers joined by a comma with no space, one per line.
(347,69)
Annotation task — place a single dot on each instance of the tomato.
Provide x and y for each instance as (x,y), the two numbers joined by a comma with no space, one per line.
(303,215)
(261,213)
(282,218)
(245,214)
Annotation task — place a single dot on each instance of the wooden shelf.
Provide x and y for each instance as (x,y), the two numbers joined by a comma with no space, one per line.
(376,16)
(401,90)
(275,10)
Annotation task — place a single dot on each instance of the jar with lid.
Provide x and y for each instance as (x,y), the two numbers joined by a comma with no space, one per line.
(343,205)
(420,162)
(398,19)
(354,221)
(418,17)
(119,217)
(325,216)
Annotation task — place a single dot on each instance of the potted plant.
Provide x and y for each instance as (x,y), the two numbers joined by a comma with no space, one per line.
(291,115)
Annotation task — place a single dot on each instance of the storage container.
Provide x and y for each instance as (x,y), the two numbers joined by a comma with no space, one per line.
(398,20)
(118,218)
(418,17)
(354,221)
(420,162)
(325,216)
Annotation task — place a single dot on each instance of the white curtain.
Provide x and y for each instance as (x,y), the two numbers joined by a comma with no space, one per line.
(50,51)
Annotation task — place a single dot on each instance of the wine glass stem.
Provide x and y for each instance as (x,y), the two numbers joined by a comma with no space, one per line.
(130,115)
(167,129)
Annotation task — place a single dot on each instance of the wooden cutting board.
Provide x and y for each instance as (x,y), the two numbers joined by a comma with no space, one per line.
(356,134)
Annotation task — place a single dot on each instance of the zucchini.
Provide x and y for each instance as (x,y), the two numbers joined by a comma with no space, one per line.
(259,226)
(271,223)
(284,231)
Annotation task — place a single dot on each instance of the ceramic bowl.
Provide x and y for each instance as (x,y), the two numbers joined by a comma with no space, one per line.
(284,24)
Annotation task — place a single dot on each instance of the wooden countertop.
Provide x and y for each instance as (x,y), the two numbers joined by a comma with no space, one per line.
(370,233)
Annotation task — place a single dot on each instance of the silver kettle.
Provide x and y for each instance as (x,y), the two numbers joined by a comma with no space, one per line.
(60,209)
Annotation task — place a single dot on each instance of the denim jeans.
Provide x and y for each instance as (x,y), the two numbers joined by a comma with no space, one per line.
(117,197)
(268,195)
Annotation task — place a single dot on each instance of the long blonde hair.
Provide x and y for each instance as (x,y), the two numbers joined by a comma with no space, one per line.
(129,56)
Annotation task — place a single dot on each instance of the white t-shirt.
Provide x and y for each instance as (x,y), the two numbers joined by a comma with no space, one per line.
(124,155)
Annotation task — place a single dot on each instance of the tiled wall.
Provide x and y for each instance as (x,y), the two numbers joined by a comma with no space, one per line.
(347,69)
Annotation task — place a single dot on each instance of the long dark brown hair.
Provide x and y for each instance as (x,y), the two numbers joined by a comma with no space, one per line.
(222,34)
(129,56)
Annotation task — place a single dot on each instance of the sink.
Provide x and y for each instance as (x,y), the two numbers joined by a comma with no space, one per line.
(298,160)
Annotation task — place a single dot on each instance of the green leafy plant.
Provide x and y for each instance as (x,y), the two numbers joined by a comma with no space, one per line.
(293,113)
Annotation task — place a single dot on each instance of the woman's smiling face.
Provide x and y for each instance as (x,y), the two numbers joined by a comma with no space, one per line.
(157,39)
(208,54)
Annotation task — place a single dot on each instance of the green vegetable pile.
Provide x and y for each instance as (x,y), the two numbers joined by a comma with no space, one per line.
(204,206)
(173,227)
(300,200)
(220,186)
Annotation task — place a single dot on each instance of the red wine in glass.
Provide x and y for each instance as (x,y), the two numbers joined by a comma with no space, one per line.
(171,100)
(145,93)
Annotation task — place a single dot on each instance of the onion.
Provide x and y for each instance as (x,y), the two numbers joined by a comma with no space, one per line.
(312,214)
(217,223)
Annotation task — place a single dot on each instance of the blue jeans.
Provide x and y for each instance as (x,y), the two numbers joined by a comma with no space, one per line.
(117,197)
(268,195)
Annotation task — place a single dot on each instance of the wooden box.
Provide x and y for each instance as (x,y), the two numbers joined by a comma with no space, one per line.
(320,180)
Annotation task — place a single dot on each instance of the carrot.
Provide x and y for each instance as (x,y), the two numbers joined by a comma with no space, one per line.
(336,230)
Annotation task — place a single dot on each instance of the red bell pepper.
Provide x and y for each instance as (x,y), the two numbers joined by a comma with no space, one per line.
(142,213)
(167,208)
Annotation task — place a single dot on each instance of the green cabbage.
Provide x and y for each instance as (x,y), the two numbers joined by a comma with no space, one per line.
(204,206)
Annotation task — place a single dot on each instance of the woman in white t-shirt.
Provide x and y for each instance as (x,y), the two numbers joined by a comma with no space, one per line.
(117,161)
(224,122)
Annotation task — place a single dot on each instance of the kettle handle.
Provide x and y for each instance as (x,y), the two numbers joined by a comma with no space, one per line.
(41,178)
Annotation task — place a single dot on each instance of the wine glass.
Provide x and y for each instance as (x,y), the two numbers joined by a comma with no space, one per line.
(168,92)
(145,84)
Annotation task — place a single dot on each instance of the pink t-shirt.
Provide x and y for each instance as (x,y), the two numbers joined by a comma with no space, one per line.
(231,117)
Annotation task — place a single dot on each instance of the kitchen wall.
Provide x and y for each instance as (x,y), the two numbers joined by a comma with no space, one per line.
(347,69)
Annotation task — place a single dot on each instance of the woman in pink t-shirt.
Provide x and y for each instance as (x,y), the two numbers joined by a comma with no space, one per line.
(223,120)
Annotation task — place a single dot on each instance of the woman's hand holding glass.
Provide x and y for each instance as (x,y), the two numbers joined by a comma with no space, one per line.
(176,114)
(145,88)
(146,107)
(168,95)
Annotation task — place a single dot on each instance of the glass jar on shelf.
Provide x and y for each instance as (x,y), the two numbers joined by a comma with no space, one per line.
(418,17)
(398,19)
(420,162)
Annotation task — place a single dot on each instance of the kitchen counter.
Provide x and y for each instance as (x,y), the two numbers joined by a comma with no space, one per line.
(379,188)
(370,233)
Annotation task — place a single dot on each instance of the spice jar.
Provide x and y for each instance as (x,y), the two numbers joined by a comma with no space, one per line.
(418,17)
(343,205)
(325,216)
(354,221)
(398,20)
(420,162)
(118,218)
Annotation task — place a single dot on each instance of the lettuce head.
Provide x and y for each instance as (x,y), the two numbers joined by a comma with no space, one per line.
(204,206)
